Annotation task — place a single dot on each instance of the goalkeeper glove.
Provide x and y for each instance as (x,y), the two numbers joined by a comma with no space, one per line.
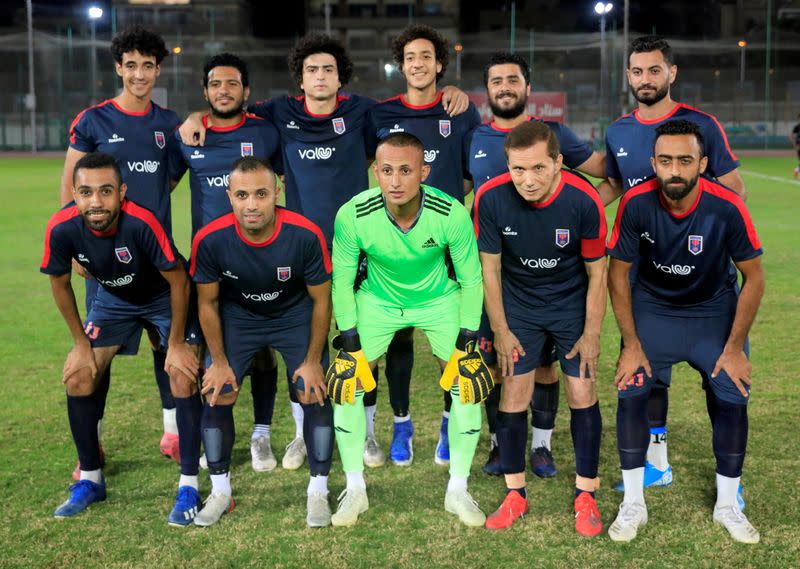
(466,364)
(349,366)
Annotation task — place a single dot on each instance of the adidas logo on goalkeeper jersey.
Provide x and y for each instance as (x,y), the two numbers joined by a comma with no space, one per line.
(431,242)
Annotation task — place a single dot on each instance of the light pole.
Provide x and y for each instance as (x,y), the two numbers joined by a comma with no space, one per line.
(742,45)
(601,9)
(459,48)
(95,13)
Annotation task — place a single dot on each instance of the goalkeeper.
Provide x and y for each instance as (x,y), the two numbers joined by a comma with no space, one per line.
(422,270)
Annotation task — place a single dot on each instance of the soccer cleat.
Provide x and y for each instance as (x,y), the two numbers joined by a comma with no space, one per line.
(352,503)
(187,504)
(442,454)
(737,524)
(652,477)
(76,473)
(373,454)
(740,498)
(295,454)
(261,454)
(629,519)
(542,463)
(318,510)
(402,450)
(493,467)
(514,506)
(81,495)
(587,517)
(215,506)
(170,447)
(460,503)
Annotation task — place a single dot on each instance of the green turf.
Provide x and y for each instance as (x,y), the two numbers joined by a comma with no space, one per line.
(406,525)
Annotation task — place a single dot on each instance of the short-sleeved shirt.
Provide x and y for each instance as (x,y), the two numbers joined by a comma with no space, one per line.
(630,140)
(444,137)
(487,158)
(138,142)
(126,260)
(324,156)
(684,260)
(267,279)
(543,246)
(210,165)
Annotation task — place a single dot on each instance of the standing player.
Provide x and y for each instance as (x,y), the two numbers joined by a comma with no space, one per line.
(135,130)
(507,80)
(406,230)
(541,234)
(142,283)
(686,231)
(263,280)
(795,138)
(232,134)
(629,147)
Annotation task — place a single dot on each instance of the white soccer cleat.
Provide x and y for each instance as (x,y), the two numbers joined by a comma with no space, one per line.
(737,524)
(263,459)
(460,503)
(215,506)
(318,510)
(631,517)
(373,454)
(352,503)
(295,454)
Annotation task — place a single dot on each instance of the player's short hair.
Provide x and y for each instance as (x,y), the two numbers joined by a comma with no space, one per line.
(251,164)
(226,60)
(441,46)
(678,127)
(529,133)
(402,140)
(646,44)
(138,39)
(503,57)
(97,161)
(314,43)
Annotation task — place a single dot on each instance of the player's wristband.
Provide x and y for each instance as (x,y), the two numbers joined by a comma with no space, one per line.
(349,341)
(466,339)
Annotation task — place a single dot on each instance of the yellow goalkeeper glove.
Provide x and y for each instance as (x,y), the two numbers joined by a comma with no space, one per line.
(349,367)
(466,364)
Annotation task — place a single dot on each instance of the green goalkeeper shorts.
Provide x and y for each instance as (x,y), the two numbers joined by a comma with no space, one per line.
(378,321)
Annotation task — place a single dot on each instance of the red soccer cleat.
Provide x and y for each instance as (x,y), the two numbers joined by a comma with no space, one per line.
(169,447)
(587,516)
(76,474)
(514,506)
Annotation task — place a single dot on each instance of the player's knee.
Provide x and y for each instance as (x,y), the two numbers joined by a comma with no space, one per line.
(81,383)
(227,398)
(580,394)
(516,393)
(182,385)
(303,398)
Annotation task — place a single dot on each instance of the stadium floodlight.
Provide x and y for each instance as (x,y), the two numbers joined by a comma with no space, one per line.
(95,12)
(603,8)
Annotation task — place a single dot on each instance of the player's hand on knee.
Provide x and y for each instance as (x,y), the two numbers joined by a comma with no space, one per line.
(313,381)
(508,349)
(217,375)
(631,359)
(587,348)
(80,357)
(182,358)
(738,368)
(192,131)
(348,367)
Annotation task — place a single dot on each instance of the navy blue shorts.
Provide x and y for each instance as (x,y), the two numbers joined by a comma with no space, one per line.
(668,340)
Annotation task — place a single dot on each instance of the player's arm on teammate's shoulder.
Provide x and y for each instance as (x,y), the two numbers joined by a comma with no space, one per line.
(632,356)
(311,369)
(505,342)
(734,181)
(192,131)
(454,100)
(587,348)
(180,355)
(81,354)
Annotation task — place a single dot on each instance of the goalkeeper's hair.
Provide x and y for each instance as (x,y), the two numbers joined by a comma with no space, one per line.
(226,60)
(314,43)
(252,164)
(529,133)
(138,39)
(97,161)
(402,140)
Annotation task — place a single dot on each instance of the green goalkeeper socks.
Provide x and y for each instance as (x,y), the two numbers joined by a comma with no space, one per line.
(349,422)
(463,430)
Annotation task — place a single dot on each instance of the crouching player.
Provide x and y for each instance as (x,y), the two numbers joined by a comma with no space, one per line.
(413,237)
(142,282)
(541,234)
(687,233)
(263,280)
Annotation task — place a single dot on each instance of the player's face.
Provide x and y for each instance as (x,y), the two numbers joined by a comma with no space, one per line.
(507,90)
(399,171)
(138,72)
(678,164)
(320,77)
(419,63)
(533,172)
(649,76)
(98,196)
(225,93)
(253,196)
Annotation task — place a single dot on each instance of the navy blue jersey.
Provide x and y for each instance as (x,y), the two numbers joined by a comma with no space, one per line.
(487,158)
(324,156)
(138,141)
(210,165)
(684,261)
(630,140)
(126,260)
(444,137)
(262,279)
(543,246)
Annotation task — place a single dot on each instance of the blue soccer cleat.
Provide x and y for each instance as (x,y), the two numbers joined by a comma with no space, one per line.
(187,504)
(81,494)
(402,450)
(542,463)
(442,454)
(652,477)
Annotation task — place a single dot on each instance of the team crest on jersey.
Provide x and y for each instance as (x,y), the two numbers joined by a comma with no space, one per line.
(444,128)
(338,125)
(123,255)
(695,244)
(247,148)
(161,140)
(562,237)
(284,274)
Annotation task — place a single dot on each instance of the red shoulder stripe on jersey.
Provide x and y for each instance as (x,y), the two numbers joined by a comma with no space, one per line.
(719,126)
(596,247)
(729,196)
(482,189)
(147,216)
(78,118)
(659,119)
(293,218)
(408,105)
(58,218)
(637,190)
(220,223)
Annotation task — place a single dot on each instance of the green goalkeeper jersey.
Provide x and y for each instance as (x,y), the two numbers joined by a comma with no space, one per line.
(406,269)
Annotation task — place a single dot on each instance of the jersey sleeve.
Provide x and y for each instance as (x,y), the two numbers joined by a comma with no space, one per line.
(743,241)
(81,136)
(345,267)
(473,121)
(489,240)
(574,150)
(593,228)
(262,109)
(58,253)
(624,242)
(612,168)
(316,259)
(176,162)
(467,265)
(204,268)
(721,159)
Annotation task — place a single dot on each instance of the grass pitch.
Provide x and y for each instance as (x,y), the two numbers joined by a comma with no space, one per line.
(406,525)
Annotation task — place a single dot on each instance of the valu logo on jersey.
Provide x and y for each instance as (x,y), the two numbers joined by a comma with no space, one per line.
(123,255)
(261,296)
(219,181)
(115,138)
(119,281)
(338,125)
(444,128)
(430,155)
(695,244)
(480,154)
(161,140)
(541,263)
(681,270)
(318,153)
(144,166)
